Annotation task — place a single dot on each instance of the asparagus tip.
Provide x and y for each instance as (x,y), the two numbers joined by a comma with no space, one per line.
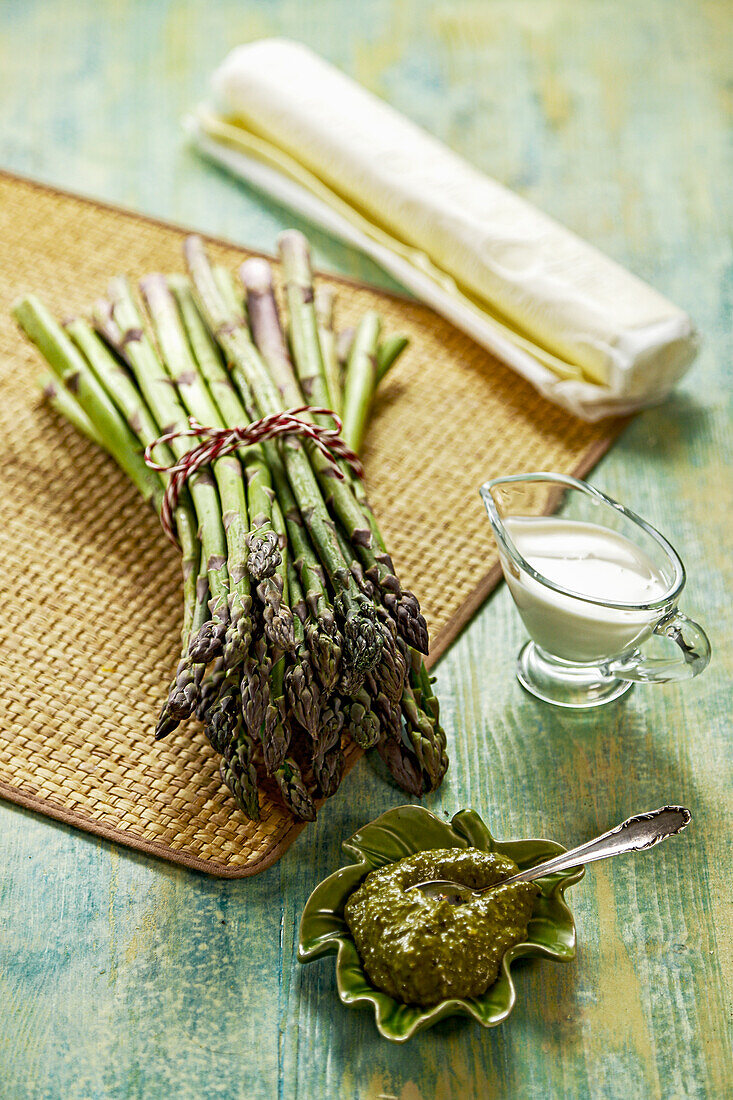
(166,724)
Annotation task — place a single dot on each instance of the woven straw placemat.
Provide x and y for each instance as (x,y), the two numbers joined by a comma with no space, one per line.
(90,587)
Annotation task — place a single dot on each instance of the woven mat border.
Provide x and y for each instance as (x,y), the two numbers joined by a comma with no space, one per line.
(439,644)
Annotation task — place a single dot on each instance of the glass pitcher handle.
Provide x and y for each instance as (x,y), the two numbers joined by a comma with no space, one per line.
(692,641)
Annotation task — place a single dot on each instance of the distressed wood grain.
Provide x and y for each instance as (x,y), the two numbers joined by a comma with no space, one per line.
(123,977)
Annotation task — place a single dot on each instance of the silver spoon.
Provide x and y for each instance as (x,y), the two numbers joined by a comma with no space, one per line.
(642,831)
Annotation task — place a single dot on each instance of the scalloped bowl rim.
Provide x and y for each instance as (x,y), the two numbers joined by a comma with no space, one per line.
(340,942)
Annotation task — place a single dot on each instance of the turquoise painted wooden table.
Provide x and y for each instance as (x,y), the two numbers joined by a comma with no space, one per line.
(124,977)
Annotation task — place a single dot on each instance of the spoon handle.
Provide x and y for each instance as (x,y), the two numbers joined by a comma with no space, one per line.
(642,831)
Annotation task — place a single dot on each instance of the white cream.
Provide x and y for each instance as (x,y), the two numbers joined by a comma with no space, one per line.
(591,561)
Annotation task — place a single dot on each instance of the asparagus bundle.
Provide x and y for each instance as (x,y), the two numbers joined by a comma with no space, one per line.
(297,633)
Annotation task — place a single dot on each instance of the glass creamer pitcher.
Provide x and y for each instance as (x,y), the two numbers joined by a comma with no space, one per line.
(595,585)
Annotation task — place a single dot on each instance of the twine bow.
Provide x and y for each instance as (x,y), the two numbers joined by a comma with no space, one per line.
(217,442)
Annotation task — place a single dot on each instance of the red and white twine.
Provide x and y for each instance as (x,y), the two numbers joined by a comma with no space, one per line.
(217,442)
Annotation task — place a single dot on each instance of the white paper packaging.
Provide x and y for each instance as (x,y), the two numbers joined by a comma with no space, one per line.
(585,332)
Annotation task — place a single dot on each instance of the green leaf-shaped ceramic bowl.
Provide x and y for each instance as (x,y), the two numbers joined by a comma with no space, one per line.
(402,832)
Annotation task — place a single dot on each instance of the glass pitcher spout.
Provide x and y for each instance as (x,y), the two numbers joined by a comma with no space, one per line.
(492,504)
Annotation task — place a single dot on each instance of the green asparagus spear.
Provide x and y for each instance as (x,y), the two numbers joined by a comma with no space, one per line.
(363,640)
(120,323)
(211,686)
(301,685)
(388,352)
(127,397)
(264,556)
(126,448)
(328,769)
(324,303)
(361,723)
(72,370)
(237,764)
(354,514)
(277,729)
(293,790)
(65,405)
(361,380)
(183,370)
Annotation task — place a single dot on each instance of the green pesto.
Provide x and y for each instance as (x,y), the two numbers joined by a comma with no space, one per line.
(421,950)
